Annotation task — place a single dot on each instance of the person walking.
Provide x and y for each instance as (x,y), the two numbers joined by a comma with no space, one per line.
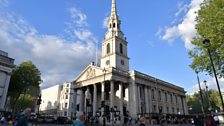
(79,120)
(23,117)
(209,121)
(142,121)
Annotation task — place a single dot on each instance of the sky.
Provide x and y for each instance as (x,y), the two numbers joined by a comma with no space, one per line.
(60,37)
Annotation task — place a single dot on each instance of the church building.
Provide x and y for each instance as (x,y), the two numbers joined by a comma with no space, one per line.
(113,88)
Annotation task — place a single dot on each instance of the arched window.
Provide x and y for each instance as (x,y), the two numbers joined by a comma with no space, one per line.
(110,25)
(108,48)
(114,25)
(121,48)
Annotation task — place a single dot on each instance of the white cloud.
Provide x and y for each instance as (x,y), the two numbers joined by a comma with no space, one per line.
(185,29)
(105,22)
(171,34)
(210,83)
(82,34)
(58,59)
(78,17)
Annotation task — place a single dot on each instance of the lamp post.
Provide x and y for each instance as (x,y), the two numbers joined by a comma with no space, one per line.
(206,42)
(207,95)
(201,101)
(103,114)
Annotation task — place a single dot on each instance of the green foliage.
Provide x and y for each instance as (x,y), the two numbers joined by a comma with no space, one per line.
(210,24)
(25,101)
(211,102)
(25,79)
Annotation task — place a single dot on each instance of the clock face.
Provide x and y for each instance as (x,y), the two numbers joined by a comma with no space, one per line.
(107,62)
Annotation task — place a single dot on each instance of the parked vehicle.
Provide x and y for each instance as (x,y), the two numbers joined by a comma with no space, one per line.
(63,120)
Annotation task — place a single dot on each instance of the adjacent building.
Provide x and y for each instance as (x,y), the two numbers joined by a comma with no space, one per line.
(58,100)
(6,67)
(112,87)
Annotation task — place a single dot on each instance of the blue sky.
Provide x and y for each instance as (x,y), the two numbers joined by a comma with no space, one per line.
(60,36)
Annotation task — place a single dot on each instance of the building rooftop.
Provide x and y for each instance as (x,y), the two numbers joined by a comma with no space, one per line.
(5,60)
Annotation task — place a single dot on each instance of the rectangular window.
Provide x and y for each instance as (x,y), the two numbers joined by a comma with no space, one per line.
(167,109)
(166,96)
(173,110)
(66,105)
(153,94)
(171,98)
(160,96)
(66,96)
(154,108)
(176,99)
(107,96)
(65,113)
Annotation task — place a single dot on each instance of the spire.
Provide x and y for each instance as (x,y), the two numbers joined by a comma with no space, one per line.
(113,8)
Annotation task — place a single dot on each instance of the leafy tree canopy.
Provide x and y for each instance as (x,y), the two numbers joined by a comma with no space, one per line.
(210,24)
(211,102)
(25,79)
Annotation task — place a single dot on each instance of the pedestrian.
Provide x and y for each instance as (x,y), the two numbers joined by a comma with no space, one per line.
(23,117)
(216,118)
(164,123)
(209,121)
(79,119)
(142,121)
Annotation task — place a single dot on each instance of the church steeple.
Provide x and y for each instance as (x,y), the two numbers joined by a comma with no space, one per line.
(114,23)
(113,8)
(114,45)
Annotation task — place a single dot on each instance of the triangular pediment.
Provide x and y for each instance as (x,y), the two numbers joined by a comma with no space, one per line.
(89,73)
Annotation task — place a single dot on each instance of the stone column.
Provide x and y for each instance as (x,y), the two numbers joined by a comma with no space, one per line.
(102,96)
(111,97)
(146,99)
(133,99)
(87,97)
(81,104)
(139,99)
(121,103)
(150,100)
(94,99)
(157,99)
(111,94)
(5,90)
(75,100)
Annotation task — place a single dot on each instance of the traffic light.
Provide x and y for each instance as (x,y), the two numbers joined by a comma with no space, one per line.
(39,100)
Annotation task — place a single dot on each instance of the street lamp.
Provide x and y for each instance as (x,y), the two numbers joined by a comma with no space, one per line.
(103,112)
(201,101)
(207,95)
(206,42)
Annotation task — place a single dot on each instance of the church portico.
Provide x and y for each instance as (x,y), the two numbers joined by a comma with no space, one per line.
(113,91)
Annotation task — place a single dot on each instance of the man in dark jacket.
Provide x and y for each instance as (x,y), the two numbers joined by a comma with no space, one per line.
(23,117)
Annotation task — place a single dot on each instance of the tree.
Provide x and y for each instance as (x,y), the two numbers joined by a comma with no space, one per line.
(210,24)
(25,79)
(25,101)
(210,102)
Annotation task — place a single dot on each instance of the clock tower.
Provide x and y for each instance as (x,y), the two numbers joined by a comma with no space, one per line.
(114,45)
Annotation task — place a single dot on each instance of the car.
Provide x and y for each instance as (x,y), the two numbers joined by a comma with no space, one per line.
(49,119)
(63,120)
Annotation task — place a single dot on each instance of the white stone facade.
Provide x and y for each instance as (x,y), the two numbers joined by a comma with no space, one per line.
(129,93)
(58,100)
(6,66)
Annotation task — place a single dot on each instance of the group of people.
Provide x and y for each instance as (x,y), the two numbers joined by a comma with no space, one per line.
(19,120)
(81,120)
